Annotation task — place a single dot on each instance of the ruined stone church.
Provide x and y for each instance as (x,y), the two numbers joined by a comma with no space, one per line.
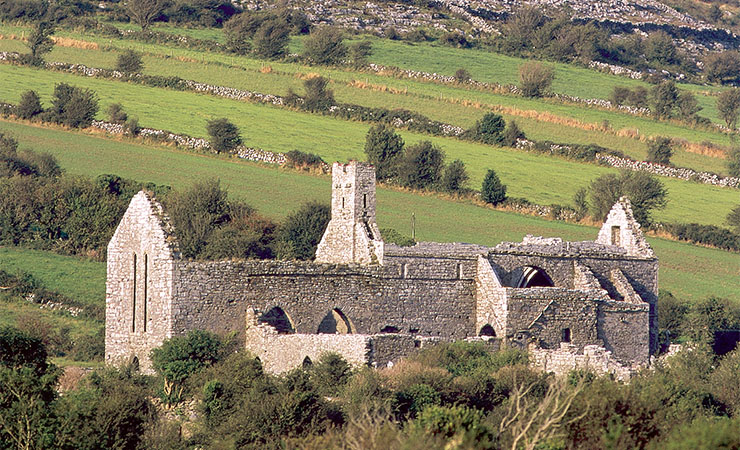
(569,303)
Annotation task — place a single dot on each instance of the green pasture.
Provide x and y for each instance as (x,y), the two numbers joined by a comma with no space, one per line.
(74,277)
(430,99)
(687,270)
(283,130)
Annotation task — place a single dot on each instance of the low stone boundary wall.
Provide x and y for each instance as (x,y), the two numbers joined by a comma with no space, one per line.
(594,358)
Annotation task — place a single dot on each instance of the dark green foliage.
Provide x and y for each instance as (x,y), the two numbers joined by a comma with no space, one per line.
(239,31)
(201,13)
(455,177)
(271,39)
(116,114)
(659,48)
(111,409)
(705,434)
(29,106)
(455,39)
(392,236)
(489,129)
(663,99)
(455,423)
(492,191)
(644,191)
(722,67)
(733,162)
(39,41)
(512,134)
(302,160)
(535,79)
(728,106)
(708,316)
(329,374)
(462,75)
(224,135)
(28,392)
(411,401)
(302,231)
(195,214)
(468,358)
(359,52)
(422,165)
(687,107)
(384,149)
(129,62)
(705,234)
(733,219)
(318,97)
(637,97)
(580,202)
(145,12)
(325,46)
(726,383)
(73,106)
(671,315)
(660,150)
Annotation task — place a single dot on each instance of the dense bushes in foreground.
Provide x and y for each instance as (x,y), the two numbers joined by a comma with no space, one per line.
(459,395)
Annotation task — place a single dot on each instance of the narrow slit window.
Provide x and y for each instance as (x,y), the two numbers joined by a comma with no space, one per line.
(566,335)
(616,235)
(133,300)
(146,280)
(364,201)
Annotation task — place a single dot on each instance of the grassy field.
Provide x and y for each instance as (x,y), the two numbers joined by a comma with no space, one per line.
(689,271)
(283,130)
(430,99)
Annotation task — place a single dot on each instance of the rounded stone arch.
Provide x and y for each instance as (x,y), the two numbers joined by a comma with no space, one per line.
(336,322)
(277,318)
(533,276)
(487,331)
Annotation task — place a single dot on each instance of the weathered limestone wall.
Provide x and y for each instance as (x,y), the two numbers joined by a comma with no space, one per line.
(139,284)
(542,314)
(622,230)
(352,235)
(624,329)
(283,352)
(491,299)
(215,296)
(566,358)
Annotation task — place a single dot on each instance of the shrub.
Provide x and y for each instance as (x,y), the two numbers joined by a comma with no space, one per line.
(302,160)
(722,67)
(359,52)
(492,191)
(455,177)
(384,149)
(728,106)
(660,150)
(580,202)
(116,114)
(687,107)
(455,39)
(325,46)
(224,135)
(392,236)
(318,97)
(330,374)
(39,41)
(733,219)
(131,127)
(457,423)
(409,402)
(29,106)
(302,231)
(535,79)
(489,129)
(271,39)
(129,62)
(644,191)
(73,106)
(462,75)
(512,134)
(422,166)
(663,99)
(733,162)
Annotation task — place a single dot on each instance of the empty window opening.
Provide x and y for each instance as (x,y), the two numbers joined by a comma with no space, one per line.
(390,329)
(278,319)
(146,280)
(616,235)
(417,343)
(413,330)
(534,277)
(364,201)
(487,330)
(342,202)
(335,322)
(134,364)
(133,300)
(307,362)
(565,335)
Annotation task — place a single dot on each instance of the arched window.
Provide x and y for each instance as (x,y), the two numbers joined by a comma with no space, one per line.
(278,319)
(307,362)
(487,330)
(389,329)
(335,322)
(534,277)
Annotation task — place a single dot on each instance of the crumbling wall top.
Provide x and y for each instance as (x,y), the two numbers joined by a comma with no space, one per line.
(620,229)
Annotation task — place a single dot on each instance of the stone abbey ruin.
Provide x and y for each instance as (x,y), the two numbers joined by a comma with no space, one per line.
(571,304)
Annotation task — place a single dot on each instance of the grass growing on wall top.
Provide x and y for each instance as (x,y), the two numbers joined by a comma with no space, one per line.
(689,271)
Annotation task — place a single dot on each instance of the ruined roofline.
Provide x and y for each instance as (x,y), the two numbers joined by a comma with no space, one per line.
(156,211)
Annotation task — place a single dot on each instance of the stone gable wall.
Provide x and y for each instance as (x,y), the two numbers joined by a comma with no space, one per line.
(140,233)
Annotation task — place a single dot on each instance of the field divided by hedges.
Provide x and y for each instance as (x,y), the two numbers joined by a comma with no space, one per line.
(687,270)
